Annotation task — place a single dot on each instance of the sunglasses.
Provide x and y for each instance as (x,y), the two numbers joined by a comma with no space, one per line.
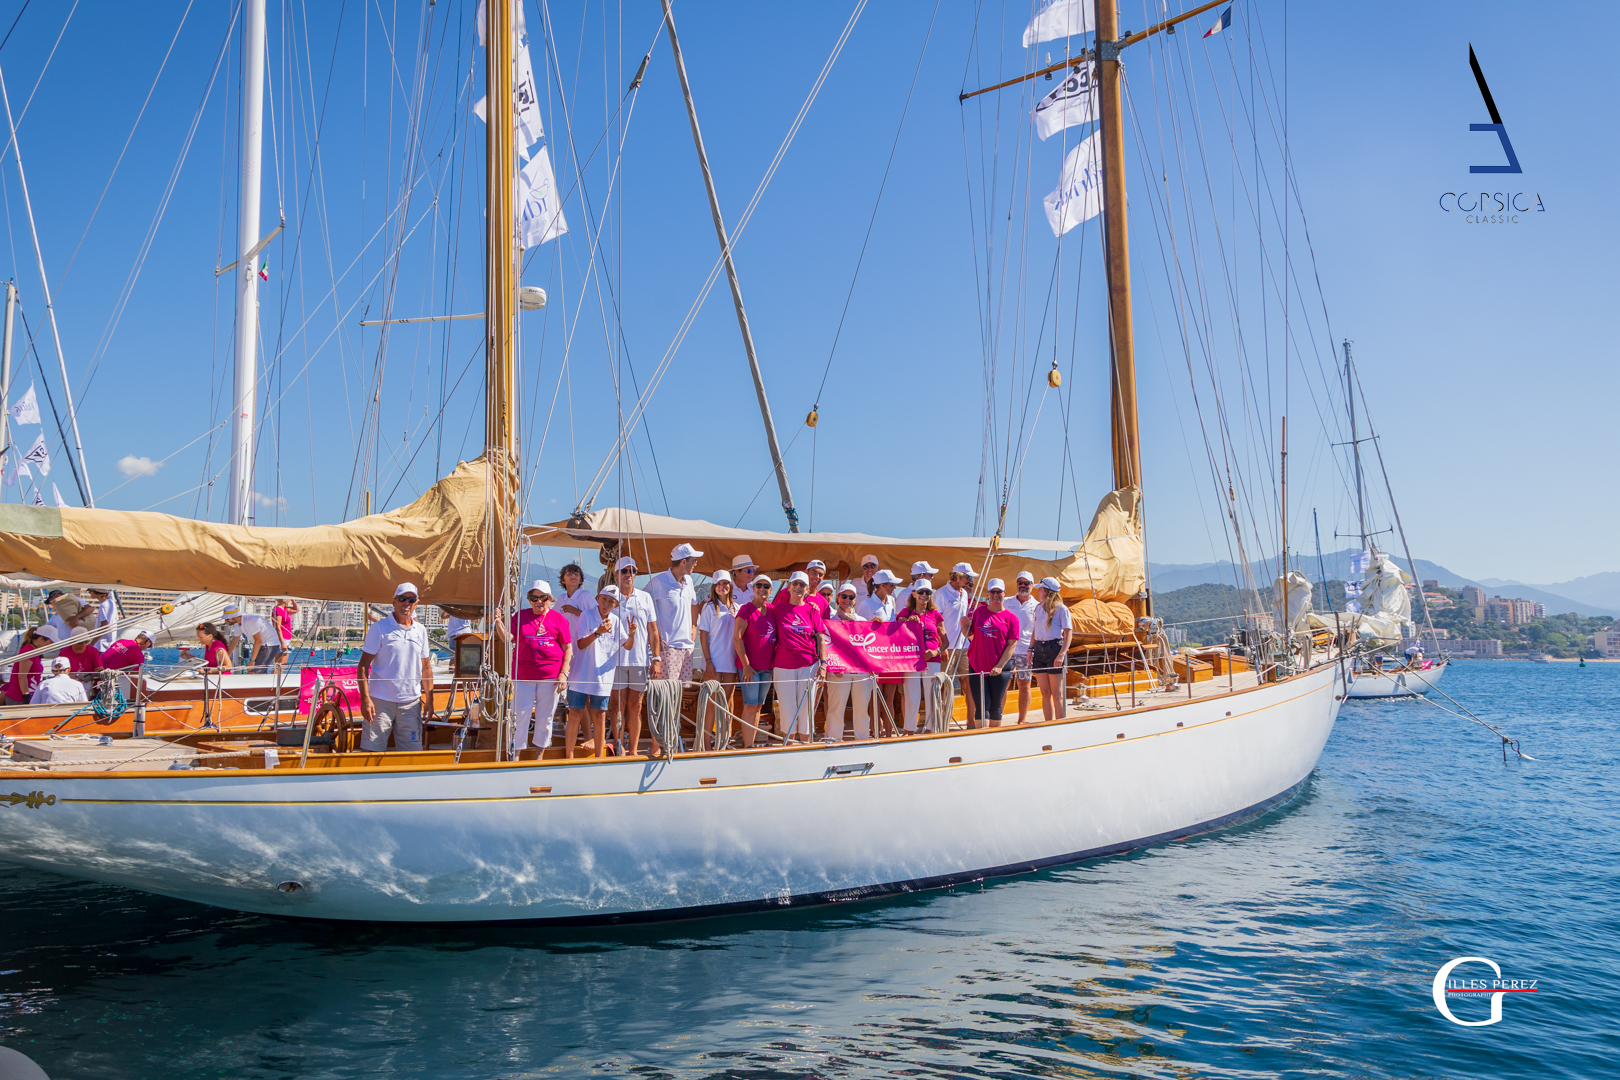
(923,592)
(404,599)
(627,570)
(535,596)
(762,584)
(998,592)
(869,566)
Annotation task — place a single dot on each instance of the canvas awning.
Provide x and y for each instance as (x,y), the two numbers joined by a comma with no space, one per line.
(438,542)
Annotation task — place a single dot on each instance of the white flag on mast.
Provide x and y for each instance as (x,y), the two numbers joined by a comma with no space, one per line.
(1073,102)
(26,409)
(59,500)
(525,94)
(24,470)
(540,216)
(39,500)
(1079,194)
(1059,18)
(38,455)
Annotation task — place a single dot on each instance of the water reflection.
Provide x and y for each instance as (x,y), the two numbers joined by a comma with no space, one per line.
(1301,942)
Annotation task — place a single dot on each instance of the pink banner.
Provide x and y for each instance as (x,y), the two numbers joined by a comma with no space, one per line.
(345,677)
(881,648)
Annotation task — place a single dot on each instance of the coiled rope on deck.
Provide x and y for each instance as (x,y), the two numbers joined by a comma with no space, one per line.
(664,714)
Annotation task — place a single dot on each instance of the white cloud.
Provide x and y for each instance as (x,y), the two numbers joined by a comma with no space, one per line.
(275,502)
(132,466)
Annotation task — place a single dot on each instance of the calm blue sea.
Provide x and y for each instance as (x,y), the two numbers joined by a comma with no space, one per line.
(1302,944)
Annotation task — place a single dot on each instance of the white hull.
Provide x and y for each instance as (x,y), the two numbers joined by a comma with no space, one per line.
(620,841)
(1396,683)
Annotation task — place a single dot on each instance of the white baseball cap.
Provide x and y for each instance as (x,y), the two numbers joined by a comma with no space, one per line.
(923,583)
(760,579)
(996,585)
(61,663)
(1050,584)
(540,586)
(49,633)
(826,586)
(624,561)
(684,551)
(403,588)
(723,575)
(922,568)
(883,577)
(799,575)
(849,587)
(815,564)
(964,568)
(868,559)
(611,591)
(1025,575)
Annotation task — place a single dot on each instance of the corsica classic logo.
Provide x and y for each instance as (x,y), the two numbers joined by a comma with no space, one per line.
(1492,207)
(1450,987)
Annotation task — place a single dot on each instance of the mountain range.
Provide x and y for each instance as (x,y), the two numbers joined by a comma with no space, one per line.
(1597,594)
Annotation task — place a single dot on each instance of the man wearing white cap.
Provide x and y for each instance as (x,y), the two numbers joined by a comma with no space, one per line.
(61,688)
(919,571)
(954,600)
(630,677)
(262,639)
(544,646)
(1022,605)
(815,570)
(863,584)
(604,637)
(395,676)
(674,595)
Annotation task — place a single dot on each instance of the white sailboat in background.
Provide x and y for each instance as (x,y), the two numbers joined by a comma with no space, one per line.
(460,835)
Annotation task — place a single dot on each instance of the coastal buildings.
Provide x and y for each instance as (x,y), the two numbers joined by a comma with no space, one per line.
(1514,612)
(1607,641)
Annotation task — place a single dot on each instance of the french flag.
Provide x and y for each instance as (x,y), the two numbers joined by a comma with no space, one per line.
(1220,24)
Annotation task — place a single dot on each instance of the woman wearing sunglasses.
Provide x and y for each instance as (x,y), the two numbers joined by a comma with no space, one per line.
(921,610)
(539,669)
(993,634)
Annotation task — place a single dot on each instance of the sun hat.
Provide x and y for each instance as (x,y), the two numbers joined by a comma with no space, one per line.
(233,609)
(743,562)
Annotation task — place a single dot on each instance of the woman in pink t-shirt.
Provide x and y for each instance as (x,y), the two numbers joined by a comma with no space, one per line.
(993,635)
(754,644)
(920,609)
(26,674)
(216,656)
(796,661)
(539,669)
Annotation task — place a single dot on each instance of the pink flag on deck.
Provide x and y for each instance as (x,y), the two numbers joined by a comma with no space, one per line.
(882,649)
(346,678)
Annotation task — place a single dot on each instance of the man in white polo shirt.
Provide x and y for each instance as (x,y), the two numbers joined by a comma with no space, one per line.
(395,676)
(674,596)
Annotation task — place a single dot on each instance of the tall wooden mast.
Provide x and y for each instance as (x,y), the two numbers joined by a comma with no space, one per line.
(1127,444)
(500,246)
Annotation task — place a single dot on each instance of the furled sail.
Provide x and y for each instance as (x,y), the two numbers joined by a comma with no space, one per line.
(1299,601)
(1386,607)
(438,542)
(650,537)
(1111,564)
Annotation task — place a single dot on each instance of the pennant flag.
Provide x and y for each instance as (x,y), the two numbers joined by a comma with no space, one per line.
(1220,24)
(39,500)
(24,470)
(1059,18)
(26,409)
(264,270)
(38,455)
(1073,102)
(540,216)
(525,95)
(1079,194)
(58,494)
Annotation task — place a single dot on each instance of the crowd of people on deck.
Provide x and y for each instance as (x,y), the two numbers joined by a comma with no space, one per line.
(58,657)
(596,651)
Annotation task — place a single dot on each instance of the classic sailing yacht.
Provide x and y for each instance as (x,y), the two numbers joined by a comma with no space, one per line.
(458,835)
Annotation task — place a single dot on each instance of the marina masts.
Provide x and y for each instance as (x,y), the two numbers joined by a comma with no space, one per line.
(243,390)
(731,278)
(1355,443)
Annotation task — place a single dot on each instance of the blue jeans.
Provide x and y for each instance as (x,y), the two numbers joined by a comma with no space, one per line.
(753,693)
(579,699)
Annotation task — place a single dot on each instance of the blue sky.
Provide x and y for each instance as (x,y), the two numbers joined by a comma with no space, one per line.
(1488,366)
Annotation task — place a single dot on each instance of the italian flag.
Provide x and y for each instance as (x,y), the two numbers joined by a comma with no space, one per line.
(1220,24)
